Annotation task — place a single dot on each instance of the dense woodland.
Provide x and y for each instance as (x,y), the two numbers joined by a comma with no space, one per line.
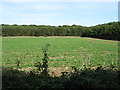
(109,30)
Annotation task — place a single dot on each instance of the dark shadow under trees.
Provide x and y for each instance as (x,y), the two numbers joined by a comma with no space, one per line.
(86,78)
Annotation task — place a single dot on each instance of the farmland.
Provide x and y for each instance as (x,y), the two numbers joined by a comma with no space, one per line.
(63,51)
(73,62)
(59,45)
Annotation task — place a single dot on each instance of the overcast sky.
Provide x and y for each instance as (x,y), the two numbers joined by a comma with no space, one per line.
(58,13)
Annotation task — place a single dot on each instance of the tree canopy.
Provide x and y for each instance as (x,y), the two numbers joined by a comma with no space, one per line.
(109,30)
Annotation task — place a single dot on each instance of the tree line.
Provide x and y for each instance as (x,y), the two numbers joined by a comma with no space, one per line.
(108,31)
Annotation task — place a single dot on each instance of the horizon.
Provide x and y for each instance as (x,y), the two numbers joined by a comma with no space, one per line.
(57,25)
(59,13)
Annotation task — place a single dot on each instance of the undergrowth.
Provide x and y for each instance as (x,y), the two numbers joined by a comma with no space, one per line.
(85,78)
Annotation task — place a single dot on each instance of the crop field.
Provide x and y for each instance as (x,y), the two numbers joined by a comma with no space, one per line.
(63,52)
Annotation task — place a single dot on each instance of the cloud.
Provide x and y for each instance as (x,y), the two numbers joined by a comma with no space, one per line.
(46,6)
(30,18)
(59,1)
(21,7)
(54,13)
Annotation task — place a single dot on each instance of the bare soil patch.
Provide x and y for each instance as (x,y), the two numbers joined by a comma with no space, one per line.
(54,71)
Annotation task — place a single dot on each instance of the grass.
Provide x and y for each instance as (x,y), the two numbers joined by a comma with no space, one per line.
(63,52)
(20,54)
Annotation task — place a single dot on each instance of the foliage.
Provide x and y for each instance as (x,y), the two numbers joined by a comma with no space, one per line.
(18,63)
(45,59)
(108,31)
(85,78)
(43,67)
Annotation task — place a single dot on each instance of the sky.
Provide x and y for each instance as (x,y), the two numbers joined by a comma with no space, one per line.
(85,13)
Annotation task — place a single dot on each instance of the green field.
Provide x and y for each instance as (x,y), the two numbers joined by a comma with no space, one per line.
(63,52)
